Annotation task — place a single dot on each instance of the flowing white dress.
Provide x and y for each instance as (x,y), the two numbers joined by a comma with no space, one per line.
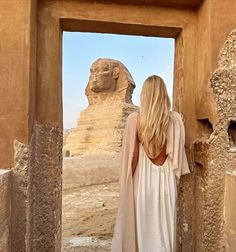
(155,196)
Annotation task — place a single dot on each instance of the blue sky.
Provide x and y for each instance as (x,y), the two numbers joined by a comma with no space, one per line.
(142,56)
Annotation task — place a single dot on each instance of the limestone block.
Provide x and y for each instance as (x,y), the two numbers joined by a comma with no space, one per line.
(230,210)
(5,211)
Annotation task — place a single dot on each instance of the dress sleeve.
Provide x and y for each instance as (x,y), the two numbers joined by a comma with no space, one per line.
(176,145)
(124,237)
(127,149)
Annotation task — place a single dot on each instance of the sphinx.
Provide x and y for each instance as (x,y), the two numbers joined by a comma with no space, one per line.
(100,126)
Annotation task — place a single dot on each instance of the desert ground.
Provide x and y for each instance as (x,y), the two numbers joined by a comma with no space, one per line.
(90,199)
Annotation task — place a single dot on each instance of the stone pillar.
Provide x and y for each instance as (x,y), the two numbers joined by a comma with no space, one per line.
(214,152)
(230,209)
(5,210)
(17,99)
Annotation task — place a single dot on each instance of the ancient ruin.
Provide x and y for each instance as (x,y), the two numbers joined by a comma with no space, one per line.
(31,112)
(92,155)
(100,126)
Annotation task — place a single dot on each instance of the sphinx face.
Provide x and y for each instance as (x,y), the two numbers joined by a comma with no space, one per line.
(101,77)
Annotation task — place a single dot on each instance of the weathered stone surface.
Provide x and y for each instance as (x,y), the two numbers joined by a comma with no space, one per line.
(5,210)
(202,194)
(224,86)
(20,198)
(36,181)
(100,126)
(46,194)
(230,210)
(85,244)
(215,153)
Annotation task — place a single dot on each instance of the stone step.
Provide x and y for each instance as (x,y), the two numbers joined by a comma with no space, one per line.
(85,244)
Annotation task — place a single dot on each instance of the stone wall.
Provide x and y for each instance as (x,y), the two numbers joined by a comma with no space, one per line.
(5,210)
(213,153)
(36,202)
(28,99)
(223,158)
(230,210)
(17,75)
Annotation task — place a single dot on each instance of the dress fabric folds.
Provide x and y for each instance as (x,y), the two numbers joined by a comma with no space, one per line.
(128,223)
(155,205)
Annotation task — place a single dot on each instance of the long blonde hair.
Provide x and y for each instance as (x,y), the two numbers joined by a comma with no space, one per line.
(154,115)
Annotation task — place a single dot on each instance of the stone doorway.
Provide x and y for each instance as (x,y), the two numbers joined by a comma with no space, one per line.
(53,19)
(90,173)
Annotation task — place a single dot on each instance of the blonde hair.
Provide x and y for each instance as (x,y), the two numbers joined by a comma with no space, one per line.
(154,115)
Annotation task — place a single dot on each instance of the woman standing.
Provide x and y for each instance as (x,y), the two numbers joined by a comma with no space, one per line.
(152,160)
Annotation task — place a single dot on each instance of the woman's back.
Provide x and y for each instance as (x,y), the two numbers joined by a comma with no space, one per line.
(152,157)
(160,159)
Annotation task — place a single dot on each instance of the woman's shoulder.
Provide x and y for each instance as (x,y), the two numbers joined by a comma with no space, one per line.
(132,119)
(135,114)
(175,115)
(132,116)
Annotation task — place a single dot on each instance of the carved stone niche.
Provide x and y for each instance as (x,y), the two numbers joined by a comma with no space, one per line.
(232,134)
(201,150)
(205,127)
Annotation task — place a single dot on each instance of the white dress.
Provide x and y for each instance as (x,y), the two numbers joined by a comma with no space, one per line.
(155,196)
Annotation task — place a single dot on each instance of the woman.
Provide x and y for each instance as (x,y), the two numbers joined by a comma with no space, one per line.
(152,160)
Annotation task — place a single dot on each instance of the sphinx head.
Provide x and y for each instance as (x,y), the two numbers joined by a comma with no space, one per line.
(104,74)
(109,78)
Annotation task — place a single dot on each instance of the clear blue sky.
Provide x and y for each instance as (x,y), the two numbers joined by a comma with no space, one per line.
(142,56)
